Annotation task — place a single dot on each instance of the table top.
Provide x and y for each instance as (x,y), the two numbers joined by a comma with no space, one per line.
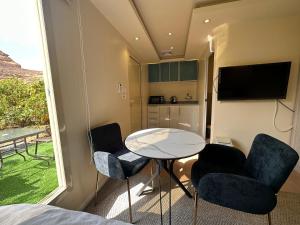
(165,143)
(16,133)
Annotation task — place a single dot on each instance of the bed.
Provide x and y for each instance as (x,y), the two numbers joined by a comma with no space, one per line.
(37,214)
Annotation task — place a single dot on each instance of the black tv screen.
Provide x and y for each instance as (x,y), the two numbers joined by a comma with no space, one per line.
(260,81)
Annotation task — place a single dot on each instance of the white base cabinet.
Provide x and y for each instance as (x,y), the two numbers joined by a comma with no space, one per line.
(185,117)
(153,116)
(164,116)
(189,118)
(174,116)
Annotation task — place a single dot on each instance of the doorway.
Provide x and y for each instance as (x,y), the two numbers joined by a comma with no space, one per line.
(209,89)
(135,100)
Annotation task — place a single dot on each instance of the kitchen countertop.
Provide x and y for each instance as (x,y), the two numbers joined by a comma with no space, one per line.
(179,103)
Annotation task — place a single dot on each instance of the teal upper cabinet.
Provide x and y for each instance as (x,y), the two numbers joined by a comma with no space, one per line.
(188,70)
(174,71)
(164,72)
(153,73)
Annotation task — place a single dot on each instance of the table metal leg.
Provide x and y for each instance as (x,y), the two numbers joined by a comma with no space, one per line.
(36,144)
(176,179)
(34,156)
(16,150)
(160,202)
(1,160)
(156,173)
(36,149)
(170,167)
(152,167)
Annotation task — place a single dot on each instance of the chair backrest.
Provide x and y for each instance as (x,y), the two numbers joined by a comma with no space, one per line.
(270,161)
(107,138)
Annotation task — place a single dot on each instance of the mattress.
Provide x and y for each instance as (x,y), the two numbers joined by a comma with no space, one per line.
(37,214)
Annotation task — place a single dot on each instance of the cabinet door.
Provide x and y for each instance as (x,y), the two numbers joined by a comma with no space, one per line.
(174,116)
(189,118)
(174,71)
(153,116)
(164,72)
(164,116)
(153,72)
(189,70)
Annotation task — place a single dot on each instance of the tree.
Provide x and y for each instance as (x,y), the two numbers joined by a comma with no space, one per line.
(22,103)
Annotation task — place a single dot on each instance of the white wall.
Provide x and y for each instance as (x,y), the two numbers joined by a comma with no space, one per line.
(252,42)
(106,58)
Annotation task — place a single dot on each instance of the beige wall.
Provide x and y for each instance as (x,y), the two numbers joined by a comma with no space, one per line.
(145,95)
(251,42)
(176,88)
(296,131)
(106,58)
(201,95)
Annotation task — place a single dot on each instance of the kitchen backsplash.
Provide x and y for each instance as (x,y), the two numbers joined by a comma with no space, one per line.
(175,88)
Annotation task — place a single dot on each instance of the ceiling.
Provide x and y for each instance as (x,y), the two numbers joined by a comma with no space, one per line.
(232,12)
(151,21)
(123,16)
(164,17)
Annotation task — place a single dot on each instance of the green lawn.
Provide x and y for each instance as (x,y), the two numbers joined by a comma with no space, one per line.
(27,181)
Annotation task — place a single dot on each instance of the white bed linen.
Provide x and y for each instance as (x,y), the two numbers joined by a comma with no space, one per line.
(38,214)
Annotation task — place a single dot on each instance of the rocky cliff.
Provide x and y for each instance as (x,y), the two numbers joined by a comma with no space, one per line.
(9,68)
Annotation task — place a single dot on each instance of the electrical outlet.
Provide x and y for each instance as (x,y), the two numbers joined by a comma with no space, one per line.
(119,87)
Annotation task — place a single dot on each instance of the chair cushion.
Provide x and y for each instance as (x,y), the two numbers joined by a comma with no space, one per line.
(109,165)
(217,159)
(222,154)
(130,162)
(237,192)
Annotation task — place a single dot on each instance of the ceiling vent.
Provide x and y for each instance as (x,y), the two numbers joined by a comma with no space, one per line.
(204,3)
(166,53)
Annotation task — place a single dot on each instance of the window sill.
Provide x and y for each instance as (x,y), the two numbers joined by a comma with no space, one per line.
(53,195)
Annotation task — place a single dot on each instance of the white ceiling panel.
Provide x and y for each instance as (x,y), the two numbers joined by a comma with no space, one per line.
(162,17)
(122,15)
(232,12)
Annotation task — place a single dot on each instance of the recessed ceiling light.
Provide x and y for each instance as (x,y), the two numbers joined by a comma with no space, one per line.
(170,33)
(172,47)
(206,21)
(137,38)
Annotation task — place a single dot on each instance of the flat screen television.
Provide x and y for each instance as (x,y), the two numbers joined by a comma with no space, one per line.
(259,81)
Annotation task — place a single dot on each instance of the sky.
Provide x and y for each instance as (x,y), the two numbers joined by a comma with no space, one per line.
(19,33)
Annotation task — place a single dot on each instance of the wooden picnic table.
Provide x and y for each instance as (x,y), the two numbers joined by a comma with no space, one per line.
(15,134)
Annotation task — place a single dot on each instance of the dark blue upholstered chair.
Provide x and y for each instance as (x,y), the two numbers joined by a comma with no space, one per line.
(112,158)
(224,176)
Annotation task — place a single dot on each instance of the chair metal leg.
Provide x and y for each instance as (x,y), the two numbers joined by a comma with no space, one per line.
(96,192)
(195,208)
(269,218)
(129,200)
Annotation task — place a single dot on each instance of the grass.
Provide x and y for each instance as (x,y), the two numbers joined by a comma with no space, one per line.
(27,181)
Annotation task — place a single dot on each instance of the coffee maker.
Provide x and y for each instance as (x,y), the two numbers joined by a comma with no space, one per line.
(173,100)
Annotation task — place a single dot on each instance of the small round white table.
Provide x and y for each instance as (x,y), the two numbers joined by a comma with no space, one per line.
(165,145)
